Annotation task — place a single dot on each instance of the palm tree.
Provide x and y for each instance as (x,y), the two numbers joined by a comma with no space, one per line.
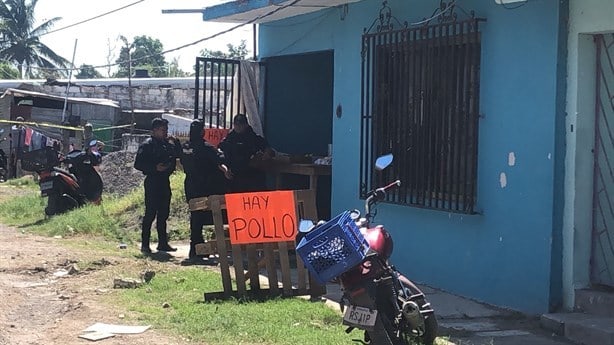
(20,42)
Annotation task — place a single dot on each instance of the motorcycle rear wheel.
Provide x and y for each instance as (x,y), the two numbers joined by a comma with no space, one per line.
(430,321)
(403,333)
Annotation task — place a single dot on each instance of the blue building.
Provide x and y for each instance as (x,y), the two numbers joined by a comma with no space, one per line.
(490,108)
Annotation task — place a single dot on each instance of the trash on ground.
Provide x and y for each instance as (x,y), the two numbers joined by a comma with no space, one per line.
(95,336)
(126,283)
(60,273)
(115,329)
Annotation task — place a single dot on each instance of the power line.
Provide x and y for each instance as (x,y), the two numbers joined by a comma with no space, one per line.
(185,45)
(92,18)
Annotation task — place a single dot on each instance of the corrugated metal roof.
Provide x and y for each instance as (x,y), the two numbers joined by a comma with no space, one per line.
(27,93)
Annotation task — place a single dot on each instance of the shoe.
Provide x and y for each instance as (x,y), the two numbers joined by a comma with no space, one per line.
(197,260)
(166,248)
(146,250)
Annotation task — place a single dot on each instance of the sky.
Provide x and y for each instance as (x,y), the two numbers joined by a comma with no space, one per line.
(144,18)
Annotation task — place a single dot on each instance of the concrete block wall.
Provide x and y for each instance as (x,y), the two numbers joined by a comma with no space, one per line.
(143,97)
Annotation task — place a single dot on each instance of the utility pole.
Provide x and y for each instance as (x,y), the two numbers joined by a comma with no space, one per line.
(65,133)
(128,48)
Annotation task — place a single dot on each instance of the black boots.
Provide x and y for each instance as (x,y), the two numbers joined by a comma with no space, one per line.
(165,247)
(192,253)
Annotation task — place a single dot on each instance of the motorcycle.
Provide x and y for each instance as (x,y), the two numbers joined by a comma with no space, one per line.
(377,298)
(70,188)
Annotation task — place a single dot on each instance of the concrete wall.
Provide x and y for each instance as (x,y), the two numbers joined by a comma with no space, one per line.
(144,97)
(503,255)
(587,17)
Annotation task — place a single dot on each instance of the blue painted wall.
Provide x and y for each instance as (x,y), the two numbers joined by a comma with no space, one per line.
(503,255)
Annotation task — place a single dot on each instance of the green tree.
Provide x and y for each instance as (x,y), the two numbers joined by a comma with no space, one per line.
(8,72)
(88,72)
(145,53)
(174,71)
(20,42)
(238,52)
(234,52)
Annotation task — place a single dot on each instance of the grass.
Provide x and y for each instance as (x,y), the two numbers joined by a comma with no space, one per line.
(22,182)
(118,218)
(276,321)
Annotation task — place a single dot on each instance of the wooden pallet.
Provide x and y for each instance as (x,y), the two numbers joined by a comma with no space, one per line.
(275,258)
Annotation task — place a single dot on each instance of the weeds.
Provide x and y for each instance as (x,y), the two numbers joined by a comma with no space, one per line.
(276,321)
(118,218)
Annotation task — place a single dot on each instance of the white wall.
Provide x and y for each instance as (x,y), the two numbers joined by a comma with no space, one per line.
(586,17)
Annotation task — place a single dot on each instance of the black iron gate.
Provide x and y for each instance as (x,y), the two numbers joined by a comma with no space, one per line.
(218,91)
(602,260)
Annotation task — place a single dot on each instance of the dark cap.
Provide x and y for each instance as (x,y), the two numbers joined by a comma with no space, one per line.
(159,122)
(197,125)
(196,130)
(240,118)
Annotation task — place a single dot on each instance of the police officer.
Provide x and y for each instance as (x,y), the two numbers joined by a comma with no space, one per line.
(205,175)
(156,158)
(239,147)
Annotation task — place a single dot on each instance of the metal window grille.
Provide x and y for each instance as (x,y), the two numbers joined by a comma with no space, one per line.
(218,91)
(420,102)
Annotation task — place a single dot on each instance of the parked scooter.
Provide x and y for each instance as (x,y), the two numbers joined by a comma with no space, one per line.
(377,298)
(70,188)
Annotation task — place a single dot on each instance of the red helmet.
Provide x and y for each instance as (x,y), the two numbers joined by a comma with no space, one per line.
(379,240)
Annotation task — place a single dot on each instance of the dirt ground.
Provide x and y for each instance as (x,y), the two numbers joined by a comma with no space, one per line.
(37,307)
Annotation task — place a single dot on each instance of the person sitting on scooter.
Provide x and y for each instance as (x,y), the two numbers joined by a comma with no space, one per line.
(156,158)
(91,180)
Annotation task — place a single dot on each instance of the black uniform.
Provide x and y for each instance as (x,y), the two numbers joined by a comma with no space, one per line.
(157,186)
(203,178)
(239,148)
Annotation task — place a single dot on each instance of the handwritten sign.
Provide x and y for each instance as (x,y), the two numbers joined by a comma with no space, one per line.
(261,217)
(215,135)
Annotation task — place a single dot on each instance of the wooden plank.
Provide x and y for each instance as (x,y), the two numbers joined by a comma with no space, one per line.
(237,262)
(305,201)
(216,208)
(306,209)
(259,294)
(284,261)
(269,257)
(302,275)
(252,267)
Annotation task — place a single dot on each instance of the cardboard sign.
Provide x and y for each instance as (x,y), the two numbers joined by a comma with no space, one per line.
(215,135)
(261,217)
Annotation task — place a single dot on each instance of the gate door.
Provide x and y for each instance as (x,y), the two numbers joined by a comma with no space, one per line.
(602,260)
(218,91)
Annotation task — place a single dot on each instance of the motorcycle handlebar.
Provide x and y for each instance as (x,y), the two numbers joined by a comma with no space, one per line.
(379,194)
(396,183)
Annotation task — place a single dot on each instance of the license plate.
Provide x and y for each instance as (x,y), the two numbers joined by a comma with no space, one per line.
(360,316)
(45,186)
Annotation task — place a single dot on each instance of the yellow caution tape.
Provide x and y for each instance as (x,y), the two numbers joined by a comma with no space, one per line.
(51,125)
(41,124)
